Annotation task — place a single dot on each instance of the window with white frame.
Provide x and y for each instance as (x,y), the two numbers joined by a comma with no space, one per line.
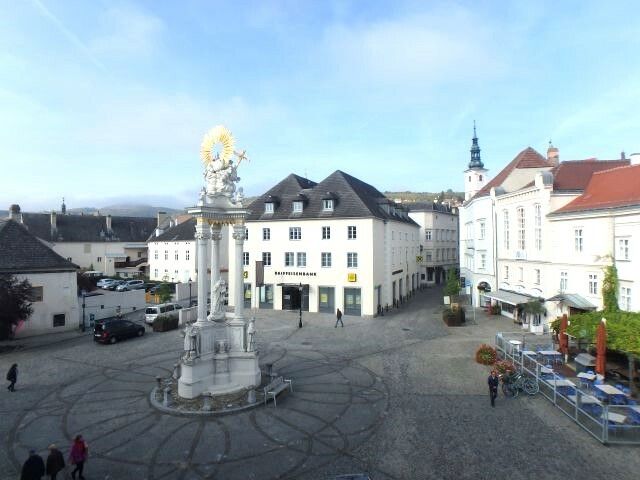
(482,230)
(288,259)
(483,261)
(266,234)
(352,260)
(176,256)
(295,233)
(623,249)
(506,272)
(505,226)
(302,259)
(564,281)
(521,274)
(266,259)
(155,254)
(593,283)
(536,277)
(625,298)
(352,232)
(427,235)
(297,206)
(245,259)
(393,235)
(327,205)
(578,240)
(246,234)
(187,255)
(429,255)
(521,228)
(325,259)
(155,273)
(537,209)
(268,207)
(326,233)
(166,254)
(437,254)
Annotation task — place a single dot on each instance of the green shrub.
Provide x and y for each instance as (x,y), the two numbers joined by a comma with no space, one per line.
(164,323)
(486,354)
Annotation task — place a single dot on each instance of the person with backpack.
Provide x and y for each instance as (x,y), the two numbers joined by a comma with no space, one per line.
(12,376)
(338,318)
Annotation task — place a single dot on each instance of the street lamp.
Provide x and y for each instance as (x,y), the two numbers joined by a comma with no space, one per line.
(300,316)
(190,302)
(82,327)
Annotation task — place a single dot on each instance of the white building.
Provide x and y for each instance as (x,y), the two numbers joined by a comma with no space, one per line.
(438,240)
(53,280)
(172,252)
(112,245)
(600,226)
(339,243)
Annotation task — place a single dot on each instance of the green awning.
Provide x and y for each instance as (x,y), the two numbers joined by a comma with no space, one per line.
(573,300)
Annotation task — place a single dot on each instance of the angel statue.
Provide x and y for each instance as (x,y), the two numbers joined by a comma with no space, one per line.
(217,300)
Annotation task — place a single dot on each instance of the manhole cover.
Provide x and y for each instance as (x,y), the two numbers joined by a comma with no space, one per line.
(406,329)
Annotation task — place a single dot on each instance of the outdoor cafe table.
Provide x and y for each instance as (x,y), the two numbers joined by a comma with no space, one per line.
(616,417)
(584,399)
(587,376)
(544,369)
(561,382)
(609,389)
(549,353)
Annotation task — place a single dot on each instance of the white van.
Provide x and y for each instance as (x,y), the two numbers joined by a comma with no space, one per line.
(171,309)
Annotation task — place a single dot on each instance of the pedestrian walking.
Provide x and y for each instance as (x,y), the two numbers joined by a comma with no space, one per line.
(493,382)
(338,318)
(55,461)
(33,468)
(78,455)
(12,376)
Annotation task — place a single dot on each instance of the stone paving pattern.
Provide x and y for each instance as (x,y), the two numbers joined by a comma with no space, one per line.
(398,397)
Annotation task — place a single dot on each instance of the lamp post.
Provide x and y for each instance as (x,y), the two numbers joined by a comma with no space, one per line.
(190,302)
(300,313)
(82,327)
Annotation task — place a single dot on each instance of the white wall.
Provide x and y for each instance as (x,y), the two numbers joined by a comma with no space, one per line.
(106,305)
(59,297)
(86,254)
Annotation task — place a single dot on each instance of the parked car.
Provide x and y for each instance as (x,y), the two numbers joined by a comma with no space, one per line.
(130,285)
(111,331)
(148,287)
(171,309)
(105,282)
(115,284)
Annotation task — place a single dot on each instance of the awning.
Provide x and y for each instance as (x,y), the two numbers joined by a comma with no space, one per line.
(573,300)
(511,298)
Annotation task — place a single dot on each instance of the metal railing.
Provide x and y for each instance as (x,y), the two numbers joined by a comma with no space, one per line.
(606,422)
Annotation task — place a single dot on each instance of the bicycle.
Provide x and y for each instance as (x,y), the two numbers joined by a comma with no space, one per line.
(513,383)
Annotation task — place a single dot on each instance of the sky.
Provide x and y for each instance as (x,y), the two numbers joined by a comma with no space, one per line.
(106,102)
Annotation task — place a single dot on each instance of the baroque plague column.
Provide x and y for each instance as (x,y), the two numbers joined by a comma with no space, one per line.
(218,357)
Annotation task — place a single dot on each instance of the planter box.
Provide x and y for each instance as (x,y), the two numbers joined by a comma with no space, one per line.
(453,318)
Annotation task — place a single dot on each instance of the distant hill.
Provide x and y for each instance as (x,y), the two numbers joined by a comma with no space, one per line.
(409,197)
(124,210)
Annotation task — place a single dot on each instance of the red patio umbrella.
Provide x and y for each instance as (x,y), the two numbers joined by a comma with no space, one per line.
(563,338)
(601,347)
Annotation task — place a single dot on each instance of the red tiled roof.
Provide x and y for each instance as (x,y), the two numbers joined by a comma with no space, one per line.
(617,187)
(575,174)
(527,158)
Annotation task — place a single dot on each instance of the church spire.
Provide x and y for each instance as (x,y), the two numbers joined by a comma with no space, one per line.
(475,162)
(63,207)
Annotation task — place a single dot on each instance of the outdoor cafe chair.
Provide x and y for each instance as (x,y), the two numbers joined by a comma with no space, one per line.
(618,400)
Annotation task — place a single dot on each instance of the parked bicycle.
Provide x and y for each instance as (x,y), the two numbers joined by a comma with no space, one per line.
(513,383)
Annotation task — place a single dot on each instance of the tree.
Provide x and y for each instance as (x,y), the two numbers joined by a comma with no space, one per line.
(610,289)
(164,293)
(452,287)
(15,303)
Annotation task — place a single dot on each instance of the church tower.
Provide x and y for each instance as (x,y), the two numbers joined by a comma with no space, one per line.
(475,177)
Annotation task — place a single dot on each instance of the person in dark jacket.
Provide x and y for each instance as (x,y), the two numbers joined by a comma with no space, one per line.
(338,318)
(493,382)
(55,461)
(78,455)
(33,468)
(12,376)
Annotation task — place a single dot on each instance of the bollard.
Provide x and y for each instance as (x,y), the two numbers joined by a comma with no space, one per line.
(206,403)
(251,397)
(176,371)
(167,397)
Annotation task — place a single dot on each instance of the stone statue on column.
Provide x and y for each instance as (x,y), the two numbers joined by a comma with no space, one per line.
(251,332)
(191,342)
(218,296)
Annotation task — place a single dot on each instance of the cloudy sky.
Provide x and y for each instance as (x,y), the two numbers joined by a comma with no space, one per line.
(106,102)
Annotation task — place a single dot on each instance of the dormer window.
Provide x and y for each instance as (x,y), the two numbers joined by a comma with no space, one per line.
(268,207)
(327,205)
(297,207)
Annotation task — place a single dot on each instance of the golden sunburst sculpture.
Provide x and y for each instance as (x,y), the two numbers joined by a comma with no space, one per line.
(218,135)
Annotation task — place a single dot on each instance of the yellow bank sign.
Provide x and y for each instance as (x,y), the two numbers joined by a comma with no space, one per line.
(352,277)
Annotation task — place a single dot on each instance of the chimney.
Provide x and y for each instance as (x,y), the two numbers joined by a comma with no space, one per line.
(553,155)
(109,230)
(15,214)
(54,225)
(623,156)
(634,158)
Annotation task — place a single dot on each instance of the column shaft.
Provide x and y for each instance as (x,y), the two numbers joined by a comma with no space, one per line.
(238,236)
(215,254)
(202,238)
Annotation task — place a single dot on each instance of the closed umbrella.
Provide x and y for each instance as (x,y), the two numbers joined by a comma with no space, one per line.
(601,347)
(563,338)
